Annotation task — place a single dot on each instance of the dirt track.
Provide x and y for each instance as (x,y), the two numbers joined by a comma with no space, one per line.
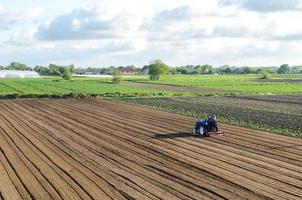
(96,149)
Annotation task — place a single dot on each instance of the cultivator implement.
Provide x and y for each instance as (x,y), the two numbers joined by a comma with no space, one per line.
(214,134)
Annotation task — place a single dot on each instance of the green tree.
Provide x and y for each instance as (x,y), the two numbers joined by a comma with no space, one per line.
(145,69)
(71,67)
(116,76)
(265,73)
(157,68)
(67,74)
(247,70)
(41,70)
(181,70)
(206,69)
(198,69)
(283,69)
(54,69)
(59,70)
(17,66)
(227,70)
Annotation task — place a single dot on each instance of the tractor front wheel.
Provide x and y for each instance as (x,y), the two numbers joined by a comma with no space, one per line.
(202,131)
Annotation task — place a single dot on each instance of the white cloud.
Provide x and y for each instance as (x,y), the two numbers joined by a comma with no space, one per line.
(83,24)
(34,11)
(24,38)
(177,14)
(265,5)
(116,32)
(10,17)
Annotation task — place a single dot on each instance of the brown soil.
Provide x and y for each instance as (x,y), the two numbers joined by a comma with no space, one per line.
(97,149)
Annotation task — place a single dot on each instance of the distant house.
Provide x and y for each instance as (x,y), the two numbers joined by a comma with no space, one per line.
(88,73)
(128,72)
(190,69)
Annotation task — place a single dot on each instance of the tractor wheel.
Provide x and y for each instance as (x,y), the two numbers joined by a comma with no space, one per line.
(202,131)
(215,129)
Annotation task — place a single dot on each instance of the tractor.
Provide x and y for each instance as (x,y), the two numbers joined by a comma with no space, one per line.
(206,127)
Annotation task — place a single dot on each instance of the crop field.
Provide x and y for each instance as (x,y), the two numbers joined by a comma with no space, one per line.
(275,113)
(197,91)
(140,86)
(99,149)
(246,84)
(55,87)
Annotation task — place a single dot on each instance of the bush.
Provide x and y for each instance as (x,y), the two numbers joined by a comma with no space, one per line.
(154,77)
(117,78)
(156,68)
(67,74)
(265,74)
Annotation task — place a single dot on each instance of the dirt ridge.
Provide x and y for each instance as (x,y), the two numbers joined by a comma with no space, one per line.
(98,149)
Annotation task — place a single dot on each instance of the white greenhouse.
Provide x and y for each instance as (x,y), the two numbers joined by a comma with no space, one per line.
(18,74)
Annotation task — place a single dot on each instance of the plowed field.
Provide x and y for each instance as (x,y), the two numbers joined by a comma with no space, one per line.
(97,149)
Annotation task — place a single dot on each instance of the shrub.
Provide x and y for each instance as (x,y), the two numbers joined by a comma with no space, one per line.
(117,78)
(67,74)
(265,74)
(156,68)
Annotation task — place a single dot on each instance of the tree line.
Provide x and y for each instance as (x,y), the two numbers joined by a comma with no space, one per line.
(154,69)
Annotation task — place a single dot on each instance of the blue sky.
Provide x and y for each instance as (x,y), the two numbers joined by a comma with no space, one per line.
(91,33)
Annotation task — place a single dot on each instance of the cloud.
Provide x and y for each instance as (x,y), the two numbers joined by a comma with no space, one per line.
(34,12)
(116,32)
(264,5)
(86,24)
(8,18)
(288,37)
(229,31)
(177,14)
(124,46)
(82,53)
(172,24)
(20,39)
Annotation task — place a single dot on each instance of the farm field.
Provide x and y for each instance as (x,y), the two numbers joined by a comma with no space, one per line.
(245,84)
(275,113)
(140,86)
(194,90)
(56,87)
(98,149)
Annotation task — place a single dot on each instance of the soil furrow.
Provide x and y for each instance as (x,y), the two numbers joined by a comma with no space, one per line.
(256,179)
(99,149)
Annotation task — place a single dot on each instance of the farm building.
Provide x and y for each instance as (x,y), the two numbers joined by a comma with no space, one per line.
(18,74)
(128,72)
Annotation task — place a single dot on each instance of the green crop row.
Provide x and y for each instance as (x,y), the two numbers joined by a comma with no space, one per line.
(242,83)
(241,112)
(53,87)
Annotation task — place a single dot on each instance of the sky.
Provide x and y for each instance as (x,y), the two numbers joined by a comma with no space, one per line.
(96,33)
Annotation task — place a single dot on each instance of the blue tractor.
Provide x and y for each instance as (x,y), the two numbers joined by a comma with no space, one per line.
(206,127)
